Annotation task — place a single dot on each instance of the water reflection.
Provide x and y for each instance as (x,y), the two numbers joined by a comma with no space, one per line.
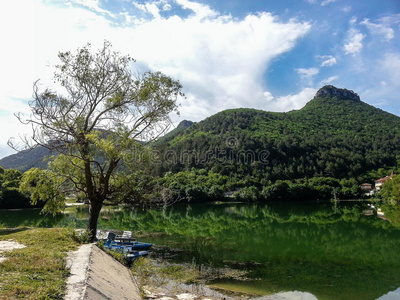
(295,295)
(326,251)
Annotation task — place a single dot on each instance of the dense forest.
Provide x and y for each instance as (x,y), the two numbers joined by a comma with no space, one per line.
(324,150)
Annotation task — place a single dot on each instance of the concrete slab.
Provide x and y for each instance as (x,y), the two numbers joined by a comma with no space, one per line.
(109,279)
(78,263)
(95,275)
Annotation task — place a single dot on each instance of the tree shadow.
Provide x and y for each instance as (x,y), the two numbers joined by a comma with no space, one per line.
(7,231)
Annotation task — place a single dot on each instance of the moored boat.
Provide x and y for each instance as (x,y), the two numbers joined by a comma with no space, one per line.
(128,245)
(130,256)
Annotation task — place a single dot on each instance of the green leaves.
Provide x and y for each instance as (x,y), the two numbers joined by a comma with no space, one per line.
(43,185)
(103,116)
(391,190)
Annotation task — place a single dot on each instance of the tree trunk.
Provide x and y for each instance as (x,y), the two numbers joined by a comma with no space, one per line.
(94,212)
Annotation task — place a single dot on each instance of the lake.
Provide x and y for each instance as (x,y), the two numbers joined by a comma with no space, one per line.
(324,250)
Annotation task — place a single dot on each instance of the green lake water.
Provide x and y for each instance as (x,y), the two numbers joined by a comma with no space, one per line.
(327,251)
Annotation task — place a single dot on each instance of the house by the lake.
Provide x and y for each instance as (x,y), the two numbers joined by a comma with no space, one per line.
(380,182)
(367,189)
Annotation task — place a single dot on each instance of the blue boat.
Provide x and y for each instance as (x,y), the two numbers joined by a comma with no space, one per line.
(128,245)
(141,246)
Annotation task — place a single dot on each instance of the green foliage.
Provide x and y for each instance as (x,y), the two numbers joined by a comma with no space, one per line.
(10,195)
(201,185)
(148,272)
(391,190)
(346,142)
(328,137)
(96,127)
(43,186)
(80,236)
(196,185)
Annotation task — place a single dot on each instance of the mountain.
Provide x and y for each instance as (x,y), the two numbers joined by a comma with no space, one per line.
(183,125)
(24,160)
(334,135)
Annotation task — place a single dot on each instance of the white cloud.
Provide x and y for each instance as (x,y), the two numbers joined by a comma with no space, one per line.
(151,8)
(323,3)
(353,43)
(326,2)
(308,72)
(381,30)
(346,9)
(390,20)
(328,60)
(93,5)
(290,102)
(307,75)
(166,7)
(391,68)
(200,10)
(353,20)
(32,35)
(220,60)
(329,80)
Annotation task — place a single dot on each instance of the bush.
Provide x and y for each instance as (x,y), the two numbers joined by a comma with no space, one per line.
(13,199)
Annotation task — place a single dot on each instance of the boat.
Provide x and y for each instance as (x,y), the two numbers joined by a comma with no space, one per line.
(134,245)
(131,256)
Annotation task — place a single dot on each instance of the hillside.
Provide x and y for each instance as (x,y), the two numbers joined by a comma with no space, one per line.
(24,160)
(334,135)
(36,157)
(183,125)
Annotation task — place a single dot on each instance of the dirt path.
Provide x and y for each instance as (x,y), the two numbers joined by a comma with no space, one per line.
(95,275)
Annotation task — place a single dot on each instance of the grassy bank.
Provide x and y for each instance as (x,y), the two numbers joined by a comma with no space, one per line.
(37,271)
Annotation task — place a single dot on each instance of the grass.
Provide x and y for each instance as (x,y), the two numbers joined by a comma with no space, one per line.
(146,271)
(158,275)
(37,271)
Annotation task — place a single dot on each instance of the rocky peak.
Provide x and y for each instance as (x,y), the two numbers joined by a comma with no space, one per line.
(185,124)
(331,91)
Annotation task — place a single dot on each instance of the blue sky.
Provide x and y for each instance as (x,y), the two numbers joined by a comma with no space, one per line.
(264,54)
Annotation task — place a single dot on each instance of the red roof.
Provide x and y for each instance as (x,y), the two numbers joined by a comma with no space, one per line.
(384,179)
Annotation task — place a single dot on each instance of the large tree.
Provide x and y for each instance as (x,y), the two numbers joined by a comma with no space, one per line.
(97,124)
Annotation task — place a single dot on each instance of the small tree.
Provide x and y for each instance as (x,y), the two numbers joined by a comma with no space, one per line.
(391,190)
(98,126)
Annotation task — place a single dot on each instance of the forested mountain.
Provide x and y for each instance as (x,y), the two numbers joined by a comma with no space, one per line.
(183,125)
(335,135)
(331,145)
(24,160)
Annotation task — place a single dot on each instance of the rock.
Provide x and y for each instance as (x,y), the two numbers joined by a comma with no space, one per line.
(330,90)
(184,124)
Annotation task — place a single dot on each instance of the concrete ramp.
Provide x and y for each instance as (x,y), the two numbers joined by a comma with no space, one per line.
(95,275)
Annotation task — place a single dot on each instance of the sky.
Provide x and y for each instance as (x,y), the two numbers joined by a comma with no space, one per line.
(263,54)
